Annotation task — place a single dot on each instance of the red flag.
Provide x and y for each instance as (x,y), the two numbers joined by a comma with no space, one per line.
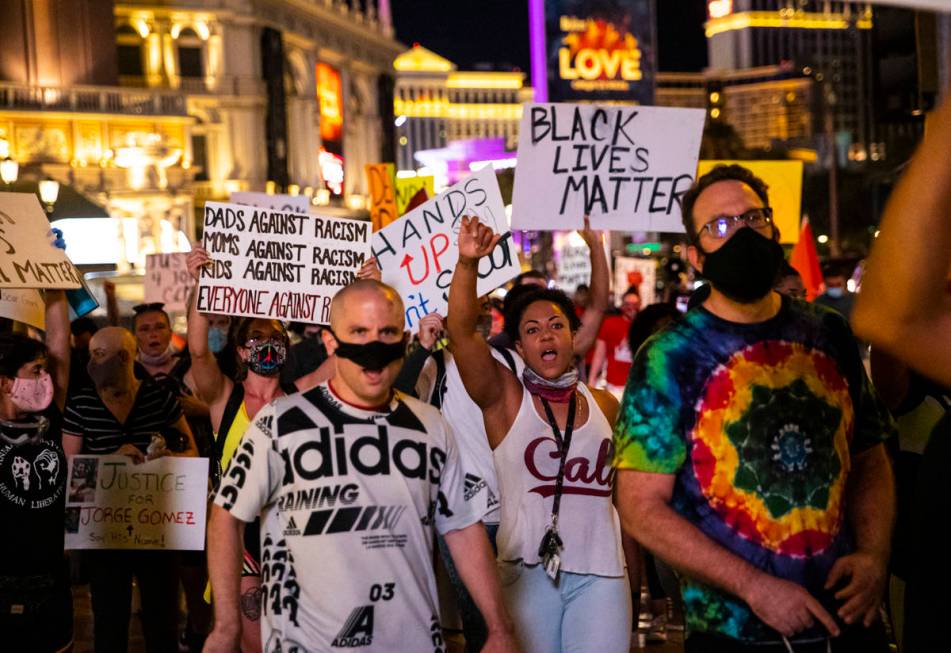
(419,198)
(805,259)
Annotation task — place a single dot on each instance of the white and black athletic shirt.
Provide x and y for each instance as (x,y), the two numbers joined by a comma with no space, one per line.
(348,499)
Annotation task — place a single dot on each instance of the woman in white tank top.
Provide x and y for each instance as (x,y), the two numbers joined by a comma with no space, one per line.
(560,555)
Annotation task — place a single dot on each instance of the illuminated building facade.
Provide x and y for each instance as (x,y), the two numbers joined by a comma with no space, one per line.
(435,104)
(150,107)
(826,44)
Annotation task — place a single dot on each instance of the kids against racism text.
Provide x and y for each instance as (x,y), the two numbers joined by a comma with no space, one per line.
(600,159)
(256,248)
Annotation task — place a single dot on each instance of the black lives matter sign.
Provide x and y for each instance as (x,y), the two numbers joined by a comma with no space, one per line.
(625,166)
(28,258)
(274,264)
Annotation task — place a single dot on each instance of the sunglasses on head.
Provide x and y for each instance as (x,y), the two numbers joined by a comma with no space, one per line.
(145,308)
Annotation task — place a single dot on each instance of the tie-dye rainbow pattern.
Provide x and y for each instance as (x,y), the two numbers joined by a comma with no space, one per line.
(758,422)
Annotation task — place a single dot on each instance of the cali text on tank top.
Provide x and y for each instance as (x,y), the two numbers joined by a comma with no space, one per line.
(526,463)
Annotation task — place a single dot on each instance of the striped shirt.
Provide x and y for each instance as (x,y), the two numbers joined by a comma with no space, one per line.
(155,410)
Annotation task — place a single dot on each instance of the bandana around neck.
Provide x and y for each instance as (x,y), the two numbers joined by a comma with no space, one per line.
(160,359)
(556,390)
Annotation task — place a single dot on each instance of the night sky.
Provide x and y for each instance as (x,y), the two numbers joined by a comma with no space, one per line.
(493,34)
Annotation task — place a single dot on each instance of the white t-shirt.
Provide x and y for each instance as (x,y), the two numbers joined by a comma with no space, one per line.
(348,499)
(465,418)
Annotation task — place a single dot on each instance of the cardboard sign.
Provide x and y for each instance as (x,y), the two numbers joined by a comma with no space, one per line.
(383,208)
(167,280)
(23,305)
(784,179)
(283,266)
(640,272)
(27,256)
(407,187)
(285,203)
(418,252)
(625,166)
(112,503)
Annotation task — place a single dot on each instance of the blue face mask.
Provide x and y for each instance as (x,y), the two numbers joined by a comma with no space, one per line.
(835,293)
(217,339)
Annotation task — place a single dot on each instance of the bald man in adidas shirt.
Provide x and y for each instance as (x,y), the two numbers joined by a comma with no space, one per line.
(349,479)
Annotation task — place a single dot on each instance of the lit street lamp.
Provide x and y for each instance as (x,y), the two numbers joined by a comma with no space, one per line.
(9,170)
(49,191)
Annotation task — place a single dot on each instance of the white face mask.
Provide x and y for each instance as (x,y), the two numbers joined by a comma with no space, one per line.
(32,395)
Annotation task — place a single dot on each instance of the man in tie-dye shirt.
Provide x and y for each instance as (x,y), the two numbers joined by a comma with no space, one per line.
(749,449)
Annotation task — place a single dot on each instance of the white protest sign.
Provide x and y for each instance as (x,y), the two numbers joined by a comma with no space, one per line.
(271,264)
(285,203)
(418,252)
(167,280)
(640,272)
(625,166)
(112,503)
(572,263)
(27,256)
(23,305)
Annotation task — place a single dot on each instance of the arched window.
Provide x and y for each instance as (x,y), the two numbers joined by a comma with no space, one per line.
(130,59)
(190,54)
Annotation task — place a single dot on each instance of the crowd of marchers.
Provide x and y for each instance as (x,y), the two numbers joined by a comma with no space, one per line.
(549,460)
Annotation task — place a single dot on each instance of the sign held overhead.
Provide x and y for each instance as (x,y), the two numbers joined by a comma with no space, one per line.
(27,256)
(627,167)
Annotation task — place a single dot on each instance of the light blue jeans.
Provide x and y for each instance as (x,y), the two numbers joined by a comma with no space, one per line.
(583,613)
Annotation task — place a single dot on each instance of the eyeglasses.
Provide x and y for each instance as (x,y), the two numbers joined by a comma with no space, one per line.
(145,308)
(726,225)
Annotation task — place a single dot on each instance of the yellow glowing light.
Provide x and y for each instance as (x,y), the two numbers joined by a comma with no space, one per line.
(485,80)
(420,60)
(444,109)
(403,140)
(714,113)
(719,8)
(714,97)
(823,239)
(803,20)
(141,26)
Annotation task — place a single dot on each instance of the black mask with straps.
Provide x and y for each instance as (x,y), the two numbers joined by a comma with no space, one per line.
(373,356)
(551,546)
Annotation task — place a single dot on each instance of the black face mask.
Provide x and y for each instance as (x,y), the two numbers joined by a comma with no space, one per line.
(746,267)
(372,356)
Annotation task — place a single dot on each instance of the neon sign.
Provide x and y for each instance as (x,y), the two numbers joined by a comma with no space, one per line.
(330,103)
(596,56)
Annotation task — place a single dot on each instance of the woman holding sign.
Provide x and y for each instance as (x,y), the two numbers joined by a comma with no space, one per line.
(36,612)
(560,558)
(261,346)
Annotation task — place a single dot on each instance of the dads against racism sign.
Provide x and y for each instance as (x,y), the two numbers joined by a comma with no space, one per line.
(27,256)
(626,167)
(112,503)
(270,264)
(418,252)
(167,280)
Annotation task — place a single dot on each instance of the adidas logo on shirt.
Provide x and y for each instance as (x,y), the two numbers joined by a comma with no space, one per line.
(358,631)
(291,528)
(474,485)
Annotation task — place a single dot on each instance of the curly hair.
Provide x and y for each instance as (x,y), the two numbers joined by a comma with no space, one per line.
(514,313)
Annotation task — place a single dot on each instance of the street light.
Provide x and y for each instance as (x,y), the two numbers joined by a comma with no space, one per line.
(9,170)
(49,191)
